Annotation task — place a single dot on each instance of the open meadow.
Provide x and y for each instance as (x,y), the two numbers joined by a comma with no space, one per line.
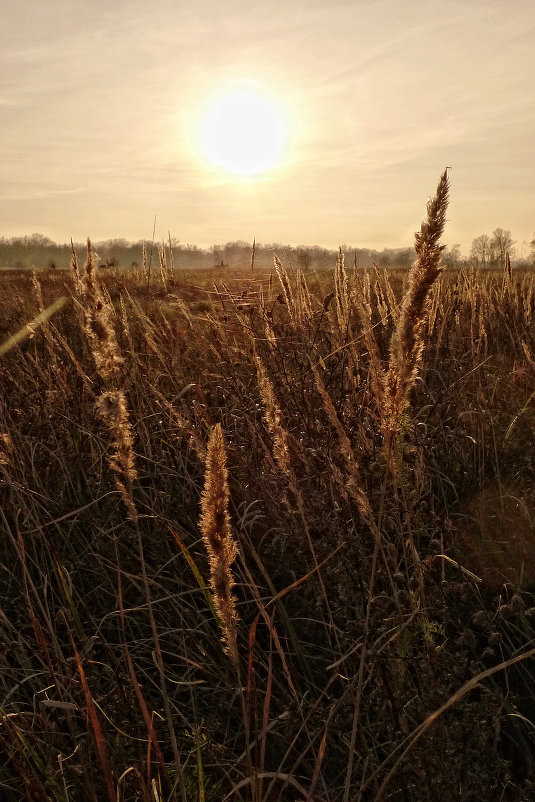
(267,536)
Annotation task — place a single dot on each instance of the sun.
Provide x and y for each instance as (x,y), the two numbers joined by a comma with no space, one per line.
(243,133)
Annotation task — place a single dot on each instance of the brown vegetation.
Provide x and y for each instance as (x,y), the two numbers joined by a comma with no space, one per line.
(334,470)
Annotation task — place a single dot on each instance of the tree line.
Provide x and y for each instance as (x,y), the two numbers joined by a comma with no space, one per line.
(491,251)
(37,250)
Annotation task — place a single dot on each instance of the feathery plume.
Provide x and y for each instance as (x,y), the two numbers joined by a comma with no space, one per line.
(217,536)
(111,404)
(272,415)
(98,328)
(113,412)
(407,340)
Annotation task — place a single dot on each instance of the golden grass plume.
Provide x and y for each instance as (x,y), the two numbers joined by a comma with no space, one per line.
(217,536)
(111,404)
(272,414)
(407,340)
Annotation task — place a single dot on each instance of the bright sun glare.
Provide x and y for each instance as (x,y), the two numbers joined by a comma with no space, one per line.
(243,132)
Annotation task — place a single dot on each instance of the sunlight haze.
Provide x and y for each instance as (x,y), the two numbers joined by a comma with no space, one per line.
(242,132)
(114,113)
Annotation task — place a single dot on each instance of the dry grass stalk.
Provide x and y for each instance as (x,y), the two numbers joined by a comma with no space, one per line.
(340,316)
(126,324)
(113,412)
(79,369)
(341,293)
(37,290)
(299,299)
(267,318)
(407,341)
(354,485)
(468,686)
(270,334)
(527,354)
(164,272)
(29,329)
(171,255)
(178,303)
(482,340)
(112,409)
(6,451)
(281,453)
(217,536)
(112,312)
(286,288)
(98,328)
(306,301)
(111,404)
(75,270)
(144,267)
(528,301)
(433,308)
(362,301)
(185,428)
(507,275)
(381,298)
(392,302)
(382,306)
(47,328)
(272,415)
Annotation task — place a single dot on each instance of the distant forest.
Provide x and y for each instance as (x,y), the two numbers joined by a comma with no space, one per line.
(40,252)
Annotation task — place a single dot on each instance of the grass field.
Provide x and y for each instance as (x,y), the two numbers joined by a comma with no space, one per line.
(268,536)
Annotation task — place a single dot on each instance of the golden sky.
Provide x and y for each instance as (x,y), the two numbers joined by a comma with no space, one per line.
(102,105)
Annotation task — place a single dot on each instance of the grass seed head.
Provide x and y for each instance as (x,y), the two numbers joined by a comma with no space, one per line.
(407,341)
(217,536)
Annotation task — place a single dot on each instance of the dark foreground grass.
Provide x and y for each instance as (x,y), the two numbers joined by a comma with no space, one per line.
(383,573)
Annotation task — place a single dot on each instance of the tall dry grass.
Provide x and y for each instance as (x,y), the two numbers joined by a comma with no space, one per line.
(371,640)
(218,539)
(408,338)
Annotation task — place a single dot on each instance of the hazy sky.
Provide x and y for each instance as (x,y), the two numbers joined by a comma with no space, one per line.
(101,103)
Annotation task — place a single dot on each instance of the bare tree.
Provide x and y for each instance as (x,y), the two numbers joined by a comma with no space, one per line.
(303,259)
(501,244)
(480,252)
(452,256)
